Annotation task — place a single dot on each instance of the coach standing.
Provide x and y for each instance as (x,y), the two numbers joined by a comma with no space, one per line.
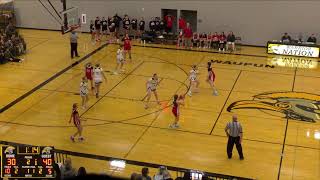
(234,133)
(74,44)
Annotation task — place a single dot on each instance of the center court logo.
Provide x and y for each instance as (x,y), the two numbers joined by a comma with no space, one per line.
(293,105)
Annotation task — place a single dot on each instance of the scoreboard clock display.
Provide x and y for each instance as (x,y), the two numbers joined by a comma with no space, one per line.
(27,162)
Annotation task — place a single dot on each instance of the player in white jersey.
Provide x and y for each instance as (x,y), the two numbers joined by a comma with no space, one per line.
(194,82)
(151,85)
(120,60)
(97,78)
(84,92)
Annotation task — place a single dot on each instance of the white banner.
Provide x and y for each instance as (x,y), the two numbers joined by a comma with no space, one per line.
(291,50)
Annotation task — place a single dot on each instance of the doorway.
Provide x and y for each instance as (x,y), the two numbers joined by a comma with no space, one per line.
(191,17)
(174,13)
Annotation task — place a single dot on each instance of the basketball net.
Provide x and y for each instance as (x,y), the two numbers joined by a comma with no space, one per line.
(72,19)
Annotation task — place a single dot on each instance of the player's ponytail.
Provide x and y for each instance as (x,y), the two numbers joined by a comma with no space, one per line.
(74,106)
(175,98)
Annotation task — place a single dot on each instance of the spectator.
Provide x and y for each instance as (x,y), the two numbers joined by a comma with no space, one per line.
(152,24)
(10,30)
(162,26)
(82,172)
(92,31)
(6,56)
(117,19)
(231,41)
(104,26)
(112,29)
(312,39)
(67,171)
(180,39)
(205,177)
(188,36)
(163,174)
(215,40)
(222,41)
(56,171)
(195,40)
(126,24)
(203,40)
(157,26)
(169,22)
(97,25)
(11,45)
(300,37)
(187,176)
(135,176)
(134,27)
(142,24)
(182,23)
(2,57)
(145,174)
(286,38)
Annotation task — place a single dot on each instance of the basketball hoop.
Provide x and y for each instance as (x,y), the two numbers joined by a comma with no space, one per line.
(71,20)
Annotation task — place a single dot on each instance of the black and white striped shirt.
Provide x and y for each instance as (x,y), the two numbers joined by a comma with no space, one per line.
(235,128)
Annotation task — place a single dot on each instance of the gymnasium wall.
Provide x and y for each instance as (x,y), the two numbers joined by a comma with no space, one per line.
(256,21)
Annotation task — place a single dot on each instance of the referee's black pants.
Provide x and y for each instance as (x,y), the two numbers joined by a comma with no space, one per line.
(74,49)
(231,142)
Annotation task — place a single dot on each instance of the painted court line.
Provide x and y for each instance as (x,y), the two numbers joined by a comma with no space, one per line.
(202,51)
(6,107)
(286,130)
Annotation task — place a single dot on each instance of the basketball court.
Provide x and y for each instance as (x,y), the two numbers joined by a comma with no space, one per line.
(117,125)
(276,99)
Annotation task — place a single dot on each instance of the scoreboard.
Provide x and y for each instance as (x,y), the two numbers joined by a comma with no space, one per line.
(27,162)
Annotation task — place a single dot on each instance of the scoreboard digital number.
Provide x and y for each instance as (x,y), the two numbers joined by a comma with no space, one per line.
(27,162)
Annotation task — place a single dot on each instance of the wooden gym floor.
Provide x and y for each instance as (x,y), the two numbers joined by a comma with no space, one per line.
(118,125)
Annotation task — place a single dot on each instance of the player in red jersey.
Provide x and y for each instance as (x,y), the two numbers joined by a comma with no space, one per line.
(177,101)
(127,46)
(77,123)
(89,72)
(211,78)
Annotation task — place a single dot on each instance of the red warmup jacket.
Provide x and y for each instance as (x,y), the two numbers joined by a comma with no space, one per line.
(169,21)
(187,32)
(182,23)
(222,38)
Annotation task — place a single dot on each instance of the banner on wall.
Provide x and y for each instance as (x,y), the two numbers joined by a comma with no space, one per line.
(292,50)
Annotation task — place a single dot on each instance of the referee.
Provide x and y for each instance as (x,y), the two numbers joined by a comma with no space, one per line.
(74,44)
(234,133)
